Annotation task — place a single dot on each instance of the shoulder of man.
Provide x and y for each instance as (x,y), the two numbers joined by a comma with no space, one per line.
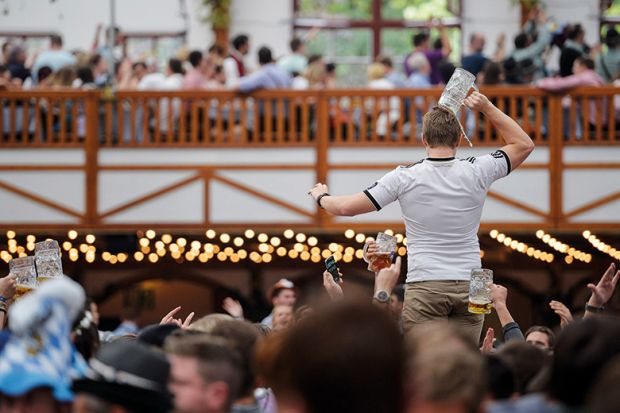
(411,165)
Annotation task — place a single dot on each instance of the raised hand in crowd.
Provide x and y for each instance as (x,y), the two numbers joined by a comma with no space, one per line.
(333,288)
(233,307)
(487,343)
(602,291)
(562,311)
(169,319)
(7,287)
(511,330)
(387,278)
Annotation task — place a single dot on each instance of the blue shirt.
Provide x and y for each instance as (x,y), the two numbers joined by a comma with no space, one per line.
(474,63)
(269,76)
(54,59)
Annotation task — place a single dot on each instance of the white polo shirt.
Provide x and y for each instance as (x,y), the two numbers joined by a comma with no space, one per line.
(441,201)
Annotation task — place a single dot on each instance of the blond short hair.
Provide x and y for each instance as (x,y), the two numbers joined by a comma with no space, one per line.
(440,127)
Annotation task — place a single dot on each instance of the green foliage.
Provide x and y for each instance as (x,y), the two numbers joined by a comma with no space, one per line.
(613,10)
(415,9)
(349,9)
(219,14)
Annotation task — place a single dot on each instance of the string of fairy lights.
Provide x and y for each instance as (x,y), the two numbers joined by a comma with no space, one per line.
(249,245)
(263,248)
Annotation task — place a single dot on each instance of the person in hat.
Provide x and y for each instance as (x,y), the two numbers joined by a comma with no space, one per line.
(282,293)
(39,361)
(441,199)
(124,377)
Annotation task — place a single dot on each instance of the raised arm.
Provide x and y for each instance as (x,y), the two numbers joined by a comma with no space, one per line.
(512,331)
(343,205)
(446,48)
(518,143)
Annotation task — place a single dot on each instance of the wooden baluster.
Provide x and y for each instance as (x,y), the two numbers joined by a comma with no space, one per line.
(611,119)
(206,121)
(292,120)
(363,120)
(280,121)
(146,108)
(170,121)
(62,121)
(538,119)
(120,116)
(38,136)
(25,121)
(525,110)
(182,105)
(268,121)
(156,119)
(74,119)
(194,121)
(49,120)
(585,116)
(12,121)
(133,122)
(350,137)
(401,119)
(219,122)
(232,107)
(305,121)
(108,123)
(256,135)
(338,121)
(388,120)
(243,120)
(373,121)
(598,105)
(572,121)
(412,120)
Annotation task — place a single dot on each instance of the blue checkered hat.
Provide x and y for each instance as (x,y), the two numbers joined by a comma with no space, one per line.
(39,352)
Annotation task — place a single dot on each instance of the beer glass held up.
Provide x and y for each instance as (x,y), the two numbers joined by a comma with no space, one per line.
(479,291)
(47,258)
(386,248)
(25,275)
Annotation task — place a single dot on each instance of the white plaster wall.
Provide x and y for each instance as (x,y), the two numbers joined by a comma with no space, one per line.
(490,17)
(76,19)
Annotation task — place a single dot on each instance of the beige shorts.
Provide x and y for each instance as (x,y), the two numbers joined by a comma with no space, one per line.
(441,300)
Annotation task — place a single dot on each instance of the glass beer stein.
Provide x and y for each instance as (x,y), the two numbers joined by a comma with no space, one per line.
(25,275)
(386,248)
(479,291)
(47,258)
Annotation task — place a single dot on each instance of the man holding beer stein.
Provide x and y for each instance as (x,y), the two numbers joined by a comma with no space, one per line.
(441,199)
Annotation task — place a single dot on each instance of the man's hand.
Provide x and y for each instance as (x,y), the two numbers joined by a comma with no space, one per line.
(602,292)
(563,312)
(477,101)
(233,307)
(169,319)
(7,287)
(370,249)
(387,278)
(317,190)
(487,343)
(333,288)
(499,295)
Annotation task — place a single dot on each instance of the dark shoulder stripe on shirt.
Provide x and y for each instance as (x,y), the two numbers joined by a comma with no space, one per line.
(413,164)
(372,199)
(498,154)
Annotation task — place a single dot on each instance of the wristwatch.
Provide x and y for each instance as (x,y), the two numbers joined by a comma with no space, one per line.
(381,296)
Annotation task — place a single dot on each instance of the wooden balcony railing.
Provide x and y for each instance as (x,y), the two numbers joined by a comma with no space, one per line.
(346,117)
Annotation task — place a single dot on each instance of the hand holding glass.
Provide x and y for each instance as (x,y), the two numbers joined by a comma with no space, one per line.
(480,291)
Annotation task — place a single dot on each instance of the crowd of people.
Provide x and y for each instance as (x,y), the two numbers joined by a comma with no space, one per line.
(551,57)
(342,355)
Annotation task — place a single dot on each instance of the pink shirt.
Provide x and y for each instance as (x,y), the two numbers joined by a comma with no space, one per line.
(585,78)
(193,80)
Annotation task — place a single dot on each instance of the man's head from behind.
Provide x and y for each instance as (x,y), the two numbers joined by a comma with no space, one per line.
(56,41)
(205,373)
(420,40)
(346,358)
(476,42)
(264,56)
(444,370)
(441,128)
(583,349)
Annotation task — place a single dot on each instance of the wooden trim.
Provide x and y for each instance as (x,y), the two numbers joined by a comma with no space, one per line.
(594,204)
(40,200)
(592,165)
(262,195)
(149,196)
(41,167)
(517,204)
(175,167)
(92,157)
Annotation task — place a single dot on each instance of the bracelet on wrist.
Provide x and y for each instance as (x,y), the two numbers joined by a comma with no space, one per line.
(320,197)
(594,309)
(3,299)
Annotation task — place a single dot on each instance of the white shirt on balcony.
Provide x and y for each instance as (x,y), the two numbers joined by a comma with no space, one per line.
(158,81)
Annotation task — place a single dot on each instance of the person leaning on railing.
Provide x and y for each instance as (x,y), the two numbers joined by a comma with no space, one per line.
(441,200)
